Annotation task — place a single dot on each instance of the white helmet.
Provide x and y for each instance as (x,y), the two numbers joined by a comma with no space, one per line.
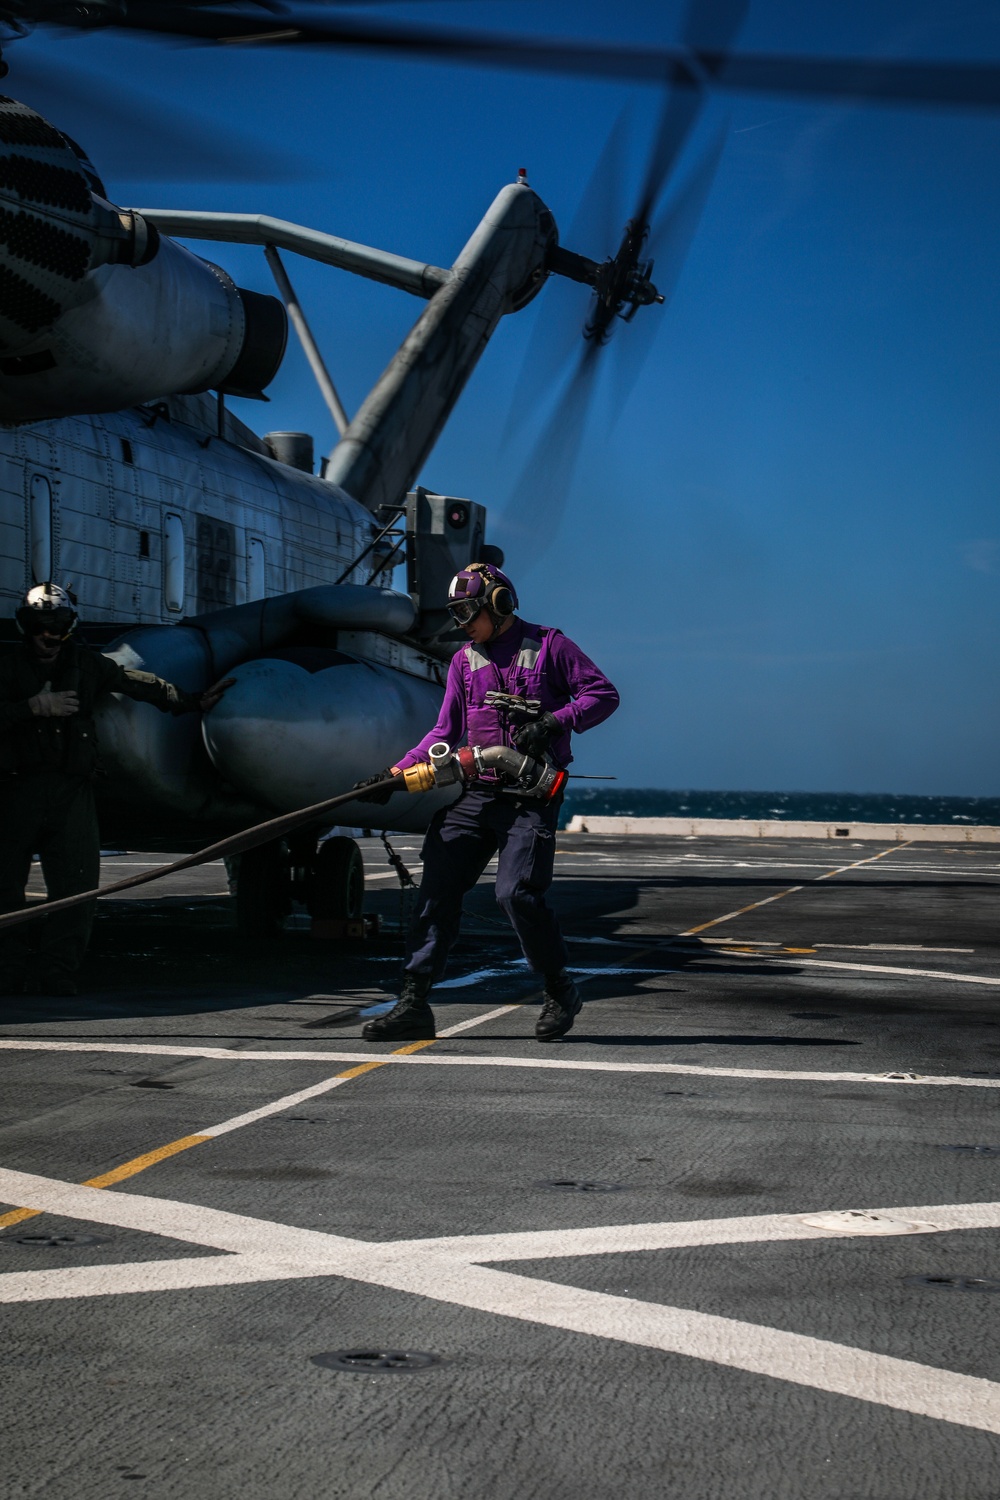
(47,606)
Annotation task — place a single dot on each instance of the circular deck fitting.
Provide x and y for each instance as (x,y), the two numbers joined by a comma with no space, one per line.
(58,1241)
(377,1361)
(955,1283)
(864,1221)
(580,1185)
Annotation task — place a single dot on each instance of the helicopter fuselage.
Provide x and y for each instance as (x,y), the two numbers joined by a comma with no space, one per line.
(154,521)
(193,549)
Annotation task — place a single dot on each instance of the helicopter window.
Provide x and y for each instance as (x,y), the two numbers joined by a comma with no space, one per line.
(127,451)
(143,543)
(256,586)
(216,548)
(40,528)
(173,562)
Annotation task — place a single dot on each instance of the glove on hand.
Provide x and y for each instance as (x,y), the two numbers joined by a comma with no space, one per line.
(534,739)
(381,794)
(54,705)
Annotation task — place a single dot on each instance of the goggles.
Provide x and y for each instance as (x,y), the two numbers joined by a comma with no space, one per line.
(51,621)
(464,611)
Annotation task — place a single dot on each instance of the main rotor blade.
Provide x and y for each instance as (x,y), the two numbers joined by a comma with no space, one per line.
(969,85)
(531,520)
(129,136)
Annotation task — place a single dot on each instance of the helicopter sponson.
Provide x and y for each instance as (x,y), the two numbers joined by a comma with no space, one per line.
(98,310)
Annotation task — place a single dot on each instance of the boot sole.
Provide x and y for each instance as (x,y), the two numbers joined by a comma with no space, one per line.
(369,1034)
(553,1036)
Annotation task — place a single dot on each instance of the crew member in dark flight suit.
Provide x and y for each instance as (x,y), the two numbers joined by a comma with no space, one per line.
(504,653)
(49,688)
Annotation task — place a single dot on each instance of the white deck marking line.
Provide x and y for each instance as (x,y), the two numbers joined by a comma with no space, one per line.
(750,942)
(833,963)
(840,870)
(262,1250)
(490,1015)
(278,1106)
(817,1364)
(492,1060)
(886,947)
(620,1239)
(289,1101)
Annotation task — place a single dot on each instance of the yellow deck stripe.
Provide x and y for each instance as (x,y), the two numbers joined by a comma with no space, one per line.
(140,1163)
(841,870)
(690,931)
(150,1158)
(18,1216)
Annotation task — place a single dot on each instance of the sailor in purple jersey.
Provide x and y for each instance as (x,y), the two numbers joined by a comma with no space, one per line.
(505,654)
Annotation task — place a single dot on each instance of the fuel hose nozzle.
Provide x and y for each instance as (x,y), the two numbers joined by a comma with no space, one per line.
(519,775)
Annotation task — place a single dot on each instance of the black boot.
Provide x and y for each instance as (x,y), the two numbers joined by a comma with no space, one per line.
(411,1018)
(560,1007)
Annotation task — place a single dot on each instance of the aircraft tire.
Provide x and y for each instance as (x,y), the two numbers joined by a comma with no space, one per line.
(337,886)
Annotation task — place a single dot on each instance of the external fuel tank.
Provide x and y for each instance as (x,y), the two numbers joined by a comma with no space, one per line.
(304,725)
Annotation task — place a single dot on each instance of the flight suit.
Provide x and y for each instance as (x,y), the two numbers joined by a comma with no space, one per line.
(47,768)
(535,661)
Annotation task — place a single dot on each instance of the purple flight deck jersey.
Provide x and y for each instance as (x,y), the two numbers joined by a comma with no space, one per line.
(534,661)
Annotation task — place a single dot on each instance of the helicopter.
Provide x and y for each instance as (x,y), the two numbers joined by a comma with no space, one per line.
(198,548)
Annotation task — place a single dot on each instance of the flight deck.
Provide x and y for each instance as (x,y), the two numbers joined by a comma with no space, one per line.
(737,1235)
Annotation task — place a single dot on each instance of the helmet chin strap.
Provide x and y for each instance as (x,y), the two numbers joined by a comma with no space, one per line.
(499,621)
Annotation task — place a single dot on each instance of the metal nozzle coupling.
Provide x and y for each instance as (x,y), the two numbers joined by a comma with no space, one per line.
(519,774)
(419,778)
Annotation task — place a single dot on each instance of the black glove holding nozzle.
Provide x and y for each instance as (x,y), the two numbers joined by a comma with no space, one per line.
(379,794)
(535,738)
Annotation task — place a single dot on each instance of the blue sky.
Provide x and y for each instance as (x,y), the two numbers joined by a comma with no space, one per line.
(786,549)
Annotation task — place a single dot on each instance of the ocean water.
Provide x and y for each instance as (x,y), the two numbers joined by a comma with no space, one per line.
(813,807)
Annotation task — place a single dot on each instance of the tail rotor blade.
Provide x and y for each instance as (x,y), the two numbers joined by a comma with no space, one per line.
(533,515)
(708,25)
(677,118)
(563,311)
(670,239)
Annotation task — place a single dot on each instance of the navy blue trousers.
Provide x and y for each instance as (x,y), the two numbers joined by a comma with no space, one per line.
(52,815)
(460,843)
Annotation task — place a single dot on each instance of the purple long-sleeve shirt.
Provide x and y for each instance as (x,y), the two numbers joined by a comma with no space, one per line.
(533,660)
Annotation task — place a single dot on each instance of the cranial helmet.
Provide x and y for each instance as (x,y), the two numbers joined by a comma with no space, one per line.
(481,586)
(47,607)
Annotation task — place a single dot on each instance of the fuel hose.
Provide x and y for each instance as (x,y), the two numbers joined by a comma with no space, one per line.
(237,843)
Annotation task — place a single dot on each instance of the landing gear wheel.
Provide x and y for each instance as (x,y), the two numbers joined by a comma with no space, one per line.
(337,887)
(263,892)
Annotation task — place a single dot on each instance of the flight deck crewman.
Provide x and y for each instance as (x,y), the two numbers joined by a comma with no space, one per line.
(49,688)
(508,655)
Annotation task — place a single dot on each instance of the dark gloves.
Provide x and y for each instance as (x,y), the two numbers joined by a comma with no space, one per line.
(380,794)
(535,738)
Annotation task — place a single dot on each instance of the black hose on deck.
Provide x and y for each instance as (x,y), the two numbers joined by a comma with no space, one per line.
(262,833)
